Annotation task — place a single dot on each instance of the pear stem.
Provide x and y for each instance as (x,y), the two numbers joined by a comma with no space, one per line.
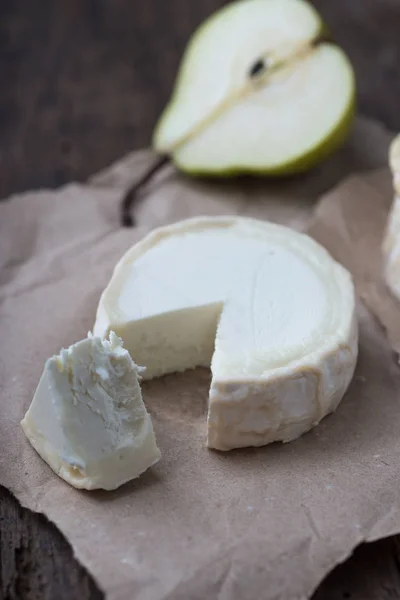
(127,219)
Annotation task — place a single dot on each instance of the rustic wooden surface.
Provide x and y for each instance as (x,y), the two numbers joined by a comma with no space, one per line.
(81,83)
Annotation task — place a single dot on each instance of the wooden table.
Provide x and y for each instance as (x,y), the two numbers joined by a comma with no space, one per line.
(81,83)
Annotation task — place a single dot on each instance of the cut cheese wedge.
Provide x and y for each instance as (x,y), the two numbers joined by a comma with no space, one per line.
(87,419)
(391,243)
(265,306)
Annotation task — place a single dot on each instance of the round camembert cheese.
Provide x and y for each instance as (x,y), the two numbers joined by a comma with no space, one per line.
(266,307)
(391,243)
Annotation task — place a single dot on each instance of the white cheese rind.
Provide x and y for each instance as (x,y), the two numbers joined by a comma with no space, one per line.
(87,419)
(267,307)
(281,407)
(391,242)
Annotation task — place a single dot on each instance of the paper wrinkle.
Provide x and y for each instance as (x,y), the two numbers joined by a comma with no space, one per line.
(224,573)
(55,269)
(313,525)
(32,286)
(385,526)
(263,523)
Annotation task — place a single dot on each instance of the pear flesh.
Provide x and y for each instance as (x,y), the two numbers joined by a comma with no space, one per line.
(259,90)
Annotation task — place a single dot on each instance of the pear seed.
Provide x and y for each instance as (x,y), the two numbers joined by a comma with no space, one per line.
(257,68)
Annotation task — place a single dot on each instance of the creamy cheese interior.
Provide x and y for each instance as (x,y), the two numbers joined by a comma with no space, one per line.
(87,419)
(245,296)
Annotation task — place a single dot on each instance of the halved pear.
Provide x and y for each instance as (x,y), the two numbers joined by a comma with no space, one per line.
(258,91)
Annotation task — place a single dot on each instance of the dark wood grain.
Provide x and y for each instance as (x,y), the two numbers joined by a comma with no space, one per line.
(371,574)
(36,562)
(81,83)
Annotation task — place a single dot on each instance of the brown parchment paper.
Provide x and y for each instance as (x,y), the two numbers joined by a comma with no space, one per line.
(256,523)
(350,221)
